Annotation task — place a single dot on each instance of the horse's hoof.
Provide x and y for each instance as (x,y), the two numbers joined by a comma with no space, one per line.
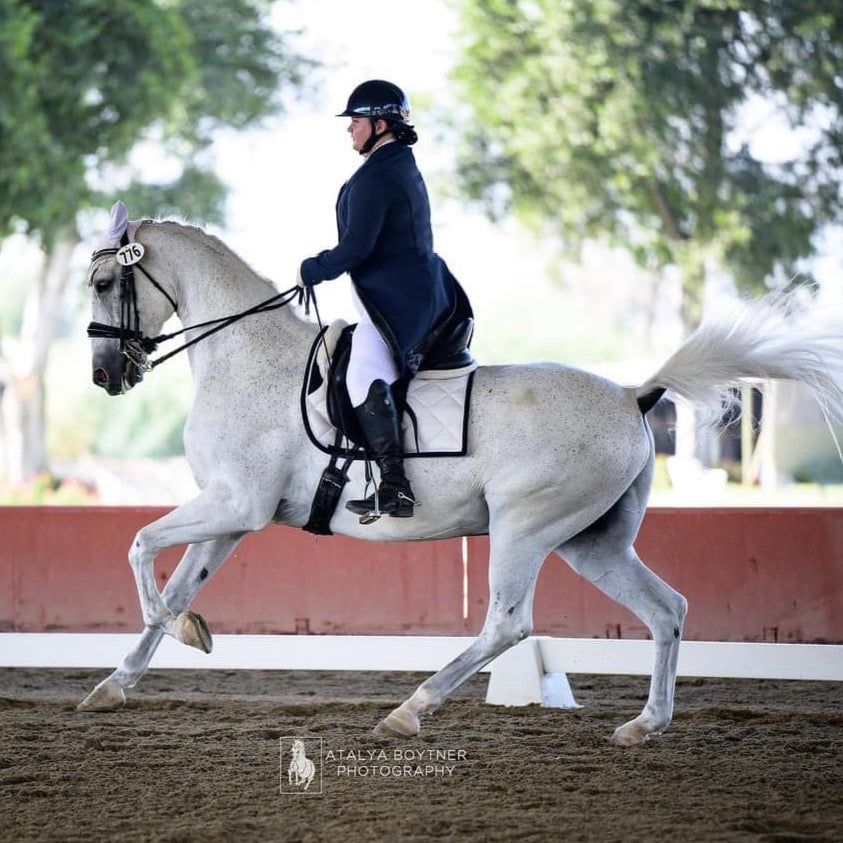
(190,628)
(398,724)
(107,696)
(630,734)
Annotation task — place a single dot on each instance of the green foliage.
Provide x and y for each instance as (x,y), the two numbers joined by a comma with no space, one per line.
(617,120)
(84,81)
(146,422)
(150,424)
(243,65)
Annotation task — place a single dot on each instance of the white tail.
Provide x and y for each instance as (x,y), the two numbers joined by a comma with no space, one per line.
(765,339)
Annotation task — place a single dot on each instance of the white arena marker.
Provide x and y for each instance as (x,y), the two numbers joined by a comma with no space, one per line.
(519,677)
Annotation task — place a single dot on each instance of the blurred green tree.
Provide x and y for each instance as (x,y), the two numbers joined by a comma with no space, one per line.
(83,84)
(625,120)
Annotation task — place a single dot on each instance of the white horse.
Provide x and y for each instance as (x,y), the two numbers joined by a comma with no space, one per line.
(559,461)
(301,770)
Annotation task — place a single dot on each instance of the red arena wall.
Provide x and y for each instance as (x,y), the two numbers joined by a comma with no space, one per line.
(748,574)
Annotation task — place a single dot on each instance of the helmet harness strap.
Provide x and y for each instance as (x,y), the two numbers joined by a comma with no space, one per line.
(375,136)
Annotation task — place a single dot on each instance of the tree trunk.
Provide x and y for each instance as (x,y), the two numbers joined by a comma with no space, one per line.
(23,422)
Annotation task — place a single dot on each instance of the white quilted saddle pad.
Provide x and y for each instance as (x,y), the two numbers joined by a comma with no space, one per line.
(439,402)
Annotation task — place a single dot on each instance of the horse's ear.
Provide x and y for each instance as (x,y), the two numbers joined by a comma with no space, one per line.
(118,222)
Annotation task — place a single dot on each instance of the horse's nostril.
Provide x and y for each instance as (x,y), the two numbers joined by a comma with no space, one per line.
(100,377)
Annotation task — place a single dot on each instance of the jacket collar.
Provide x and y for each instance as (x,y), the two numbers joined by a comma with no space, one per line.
(386,152)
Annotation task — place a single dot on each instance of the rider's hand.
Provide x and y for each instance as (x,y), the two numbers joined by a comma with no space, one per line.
(299,282)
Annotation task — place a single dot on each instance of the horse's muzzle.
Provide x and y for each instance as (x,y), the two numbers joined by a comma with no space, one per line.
(112,385)
(116,377)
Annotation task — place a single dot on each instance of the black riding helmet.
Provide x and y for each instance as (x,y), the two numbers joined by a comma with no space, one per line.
(381,100)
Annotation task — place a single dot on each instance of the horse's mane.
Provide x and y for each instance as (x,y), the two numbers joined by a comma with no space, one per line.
(207,241)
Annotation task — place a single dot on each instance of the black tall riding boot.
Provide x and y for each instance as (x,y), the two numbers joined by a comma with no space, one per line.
(378,417)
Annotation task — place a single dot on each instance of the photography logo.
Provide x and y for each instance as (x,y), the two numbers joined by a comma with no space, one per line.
(301,765)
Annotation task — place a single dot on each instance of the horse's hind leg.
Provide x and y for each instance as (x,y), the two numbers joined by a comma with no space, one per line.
(604,555)
(513,569)
(662,609)
(197,565)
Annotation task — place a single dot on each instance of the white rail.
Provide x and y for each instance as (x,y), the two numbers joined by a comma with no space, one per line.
(533,672)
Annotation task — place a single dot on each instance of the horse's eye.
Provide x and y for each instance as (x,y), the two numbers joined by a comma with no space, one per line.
(101,285)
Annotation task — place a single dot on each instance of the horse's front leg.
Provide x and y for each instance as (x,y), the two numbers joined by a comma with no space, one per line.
(213,515)
(196,567)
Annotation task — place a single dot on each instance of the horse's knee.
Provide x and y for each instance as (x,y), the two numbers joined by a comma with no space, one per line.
(140,552)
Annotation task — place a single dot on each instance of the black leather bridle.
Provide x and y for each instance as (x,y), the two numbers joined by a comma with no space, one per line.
(137,347)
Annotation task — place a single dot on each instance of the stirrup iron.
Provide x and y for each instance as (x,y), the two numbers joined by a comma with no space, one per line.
(375,514)
(370,508)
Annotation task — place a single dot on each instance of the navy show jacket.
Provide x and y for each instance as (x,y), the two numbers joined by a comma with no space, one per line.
(386,245)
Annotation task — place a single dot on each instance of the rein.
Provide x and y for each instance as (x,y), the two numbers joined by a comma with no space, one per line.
(135,346)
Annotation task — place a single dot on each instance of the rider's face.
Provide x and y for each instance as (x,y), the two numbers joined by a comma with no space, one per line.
(360,129)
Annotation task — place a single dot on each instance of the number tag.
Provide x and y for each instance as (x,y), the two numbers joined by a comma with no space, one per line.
(129,254)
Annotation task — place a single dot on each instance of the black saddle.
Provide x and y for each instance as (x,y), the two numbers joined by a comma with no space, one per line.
(447,345)
(445,348)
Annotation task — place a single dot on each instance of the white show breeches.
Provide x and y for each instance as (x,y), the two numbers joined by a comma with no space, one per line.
(370,359)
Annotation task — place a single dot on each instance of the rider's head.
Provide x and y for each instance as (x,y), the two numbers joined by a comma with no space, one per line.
(378,108)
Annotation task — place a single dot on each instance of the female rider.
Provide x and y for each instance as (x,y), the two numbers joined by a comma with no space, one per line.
(402,289)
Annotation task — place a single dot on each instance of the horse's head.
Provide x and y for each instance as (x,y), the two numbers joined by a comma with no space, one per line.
(129,307)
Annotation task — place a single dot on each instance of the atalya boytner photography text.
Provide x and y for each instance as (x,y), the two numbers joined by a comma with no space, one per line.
(397,762)
(307,766)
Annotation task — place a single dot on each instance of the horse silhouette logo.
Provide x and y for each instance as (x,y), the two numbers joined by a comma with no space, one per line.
(298,772)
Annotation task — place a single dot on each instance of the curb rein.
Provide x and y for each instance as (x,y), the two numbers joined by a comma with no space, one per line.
(136,347)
